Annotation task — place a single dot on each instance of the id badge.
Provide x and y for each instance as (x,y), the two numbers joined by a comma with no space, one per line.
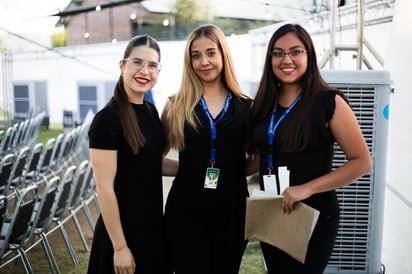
(269,183)
(211,178)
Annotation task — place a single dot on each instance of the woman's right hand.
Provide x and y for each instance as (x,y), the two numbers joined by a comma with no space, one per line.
(123,261)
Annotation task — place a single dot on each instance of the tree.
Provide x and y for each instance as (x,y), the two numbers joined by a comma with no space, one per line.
(59,39)
(1,47)
(190,11)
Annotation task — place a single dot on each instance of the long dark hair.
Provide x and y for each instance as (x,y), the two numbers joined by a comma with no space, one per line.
(296,133)
(131,130)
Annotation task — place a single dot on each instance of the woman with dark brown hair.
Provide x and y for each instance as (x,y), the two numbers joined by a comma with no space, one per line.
(126,151)
(296,120)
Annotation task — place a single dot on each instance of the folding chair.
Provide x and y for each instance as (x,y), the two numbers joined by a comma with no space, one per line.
(7,140)
(3,212)
(55,157)
(75,203)
(63,207)
(13,137)
(45,209)
(18,138)
(1,139)
(16,179)
(6,165)
(25,132)
(88,193)
(32,171)
(76,146)
(17,229)
(44,165)
(3,209)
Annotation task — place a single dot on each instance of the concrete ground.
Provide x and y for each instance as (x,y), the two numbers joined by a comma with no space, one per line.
(397,231)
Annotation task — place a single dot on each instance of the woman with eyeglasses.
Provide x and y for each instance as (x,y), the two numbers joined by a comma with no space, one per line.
(296,120)
(206,122)
(126,151)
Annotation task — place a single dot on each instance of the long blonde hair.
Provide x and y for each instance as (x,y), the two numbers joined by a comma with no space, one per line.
(190,91)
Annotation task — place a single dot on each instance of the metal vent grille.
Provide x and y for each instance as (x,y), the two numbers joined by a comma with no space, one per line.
(359,241)
(351,245)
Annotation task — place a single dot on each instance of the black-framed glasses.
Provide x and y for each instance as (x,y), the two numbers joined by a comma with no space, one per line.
(138,63)
(293,54)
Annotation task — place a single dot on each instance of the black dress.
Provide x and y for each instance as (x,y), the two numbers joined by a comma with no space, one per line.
(206,226)
(313,161)
(138,188)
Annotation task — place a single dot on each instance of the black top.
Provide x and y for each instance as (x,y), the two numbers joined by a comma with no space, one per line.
(188,196)
(314,160)
(138,184)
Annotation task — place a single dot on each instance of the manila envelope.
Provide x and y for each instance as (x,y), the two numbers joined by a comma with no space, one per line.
(266,222)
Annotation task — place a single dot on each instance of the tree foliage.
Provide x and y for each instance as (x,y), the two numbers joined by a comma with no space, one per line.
(1,47)
(59,39)
(190,11)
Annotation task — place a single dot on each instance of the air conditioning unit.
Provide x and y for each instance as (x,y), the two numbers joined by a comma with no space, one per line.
(358,245)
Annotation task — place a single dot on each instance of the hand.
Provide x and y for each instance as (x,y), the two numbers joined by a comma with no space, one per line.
(123,261)
(294,194)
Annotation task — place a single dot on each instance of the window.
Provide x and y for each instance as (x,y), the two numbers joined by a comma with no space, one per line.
(93,96)
(29,98)
(87,101)
(21,101)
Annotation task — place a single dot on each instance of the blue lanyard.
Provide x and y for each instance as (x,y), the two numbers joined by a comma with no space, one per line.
(213,125)
(273,126)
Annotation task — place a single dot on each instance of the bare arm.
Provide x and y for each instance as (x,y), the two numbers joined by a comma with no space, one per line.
(170,167)
(252,164)
(104,164)
(348,135)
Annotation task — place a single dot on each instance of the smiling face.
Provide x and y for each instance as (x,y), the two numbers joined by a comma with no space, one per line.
(137,81)
(289,69)
(207,60)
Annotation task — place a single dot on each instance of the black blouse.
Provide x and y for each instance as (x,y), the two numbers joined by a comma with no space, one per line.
(314,160)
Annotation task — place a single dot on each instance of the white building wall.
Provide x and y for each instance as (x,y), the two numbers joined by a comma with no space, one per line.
(65,68)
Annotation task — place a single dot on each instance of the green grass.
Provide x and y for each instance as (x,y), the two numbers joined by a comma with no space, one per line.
(252,262)
(52,132)
(45,134)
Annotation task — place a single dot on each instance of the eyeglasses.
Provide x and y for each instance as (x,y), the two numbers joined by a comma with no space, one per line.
(138,64)
(293,54)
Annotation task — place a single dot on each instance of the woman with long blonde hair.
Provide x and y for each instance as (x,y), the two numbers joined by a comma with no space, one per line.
(206,122)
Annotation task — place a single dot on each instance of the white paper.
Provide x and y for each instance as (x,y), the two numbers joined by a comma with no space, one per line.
(283,174)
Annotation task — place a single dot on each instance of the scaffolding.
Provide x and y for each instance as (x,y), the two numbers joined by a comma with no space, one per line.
(7,79)
(338,19)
